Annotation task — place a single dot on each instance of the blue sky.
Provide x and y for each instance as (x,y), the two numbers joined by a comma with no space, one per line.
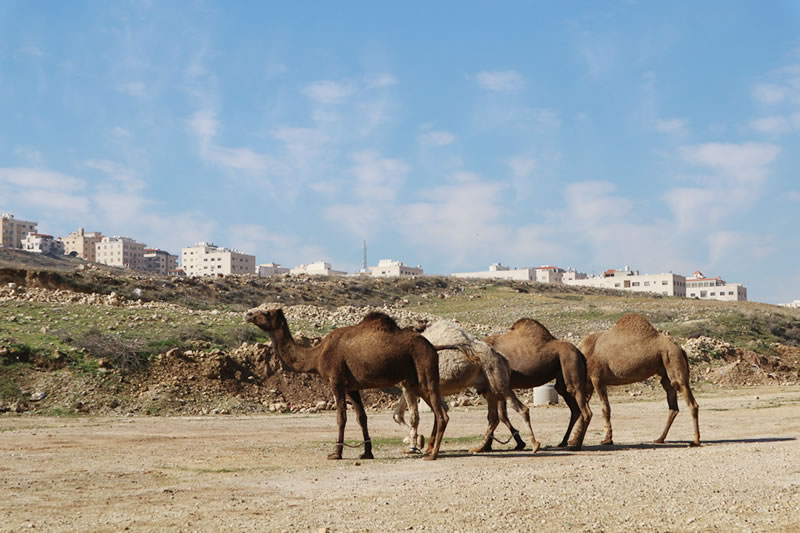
(449,134)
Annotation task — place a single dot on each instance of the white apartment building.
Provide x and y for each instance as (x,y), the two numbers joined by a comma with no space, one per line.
(159,262)
(699,286)
(83,244)
(668,284)
(320,268)
(389,268)
(207,259)
(42,244)
(271,269)
(795,304)
(549,274)
(122,252)
(498,271)
(13,230)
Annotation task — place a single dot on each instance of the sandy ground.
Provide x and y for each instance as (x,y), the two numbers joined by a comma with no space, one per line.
(269,473)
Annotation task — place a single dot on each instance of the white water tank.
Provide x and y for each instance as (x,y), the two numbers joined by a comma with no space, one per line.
(545,394)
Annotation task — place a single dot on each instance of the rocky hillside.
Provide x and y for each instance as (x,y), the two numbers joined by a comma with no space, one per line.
(77,338)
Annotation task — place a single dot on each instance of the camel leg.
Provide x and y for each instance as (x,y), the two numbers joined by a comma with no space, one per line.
(523,410)
(415,439)
(361,414)
(341,419)
(602,393)
(672,402)
(502,412)
(439,424)
(492,404)
(688,397)
(574,412)
(583,422)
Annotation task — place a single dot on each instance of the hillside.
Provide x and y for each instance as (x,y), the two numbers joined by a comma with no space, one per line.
(79,338)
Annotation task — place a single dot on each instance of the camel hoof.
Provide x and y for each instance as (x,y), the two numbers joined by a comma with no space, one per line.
(366,455)
(519,447)
(481,449)
(658,441)
(536,446)
(607,442)
(694,443)
(334,456)
(429,457)
(574,447)
(412,450)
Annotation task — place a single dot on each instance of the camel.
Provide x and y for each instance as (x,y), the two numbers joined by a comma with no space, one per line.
(375,353)
(473,364)
(632,351)
(537,357)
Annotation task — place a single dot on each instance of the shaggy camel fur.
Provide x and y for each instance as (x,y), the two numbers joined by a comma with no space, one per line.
(630,352)
(374,353)
(536,357)
(473,364)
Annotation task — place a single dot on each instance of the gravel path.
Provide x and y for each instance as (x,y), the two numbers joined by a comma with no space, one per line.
(269,473)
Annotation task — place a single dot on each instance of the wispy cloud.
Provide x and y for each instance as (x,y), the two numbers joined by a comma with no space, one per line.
(672,125)
(522,166)
(501,81)
(41,179)
(436,138)
(329,92)
(768,93)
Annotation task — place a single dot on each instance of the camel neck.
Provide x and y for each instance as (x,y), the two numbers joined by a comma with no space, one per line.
(298,358)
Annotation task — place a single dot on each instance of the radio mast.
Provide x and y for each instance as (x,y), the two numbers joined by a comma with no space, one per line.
(364,266)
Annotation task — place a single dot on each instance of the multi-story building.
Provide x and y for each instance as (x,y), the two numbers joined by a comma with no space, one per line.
(207,259)
(320,268)
(667,284)
(388,268)
(699,286)
(13,230)
(549,274)
(159,262)
(83,244)
(498,271)
(120,252)
(271,269)
(42,244)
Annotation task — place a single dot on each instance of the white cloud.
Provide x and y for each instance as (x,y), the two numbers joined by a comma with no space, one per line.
(204,124)
(769,93)
(745,162)
(522,166)
(282,248)
(378,179)
(121,174)
(53,200)
(436,138)
(503,81)
(118,131)
(133,88)
(670,125)
(376,81)
(774,125)
(329,92)
(40,179)
(30,155)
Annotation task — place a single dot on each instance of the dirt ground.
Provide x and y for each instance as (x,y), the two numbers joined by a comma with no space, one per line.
(269,473)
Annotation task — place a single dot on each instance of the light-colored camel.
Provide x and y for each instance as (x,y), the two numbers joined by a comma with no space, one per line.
(374,353)
(537,357)
(630,352)
(473,364)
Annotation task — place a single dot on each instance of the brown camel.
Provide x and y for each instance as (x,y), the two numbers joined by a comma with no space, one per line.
(630,352)
(536,357)
(374,353)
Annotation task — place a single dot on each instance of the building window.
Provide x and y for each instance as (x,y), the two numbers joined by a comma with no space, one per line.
(664,282)
(646,283)
(635,284)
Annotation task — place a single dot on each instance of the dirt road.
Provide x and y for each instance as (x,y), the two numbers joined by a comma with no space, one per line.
(269,473)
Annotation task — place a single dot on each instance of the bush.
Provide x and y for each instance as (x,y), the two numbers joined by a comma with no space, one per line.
(126,355)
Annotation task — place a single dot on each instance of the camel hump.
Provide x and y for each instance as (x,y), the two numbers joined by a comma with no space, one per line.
(445,332)
(635,324)
(380,321)
(533,327)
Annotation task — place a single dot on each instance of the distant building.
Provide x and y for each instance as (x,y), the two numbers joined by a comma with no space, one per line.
(159,262)
(668,284)
(498,271)
(549,274)
(320,268)
(207,259)
(122,252)
(83,244)
(42,244)
(699,286)
(389,268)
(794,304)
(13,230)
(271,269)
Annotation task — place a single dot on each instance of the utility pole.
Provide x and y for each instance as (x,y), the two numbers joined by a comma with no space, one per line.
(364,267)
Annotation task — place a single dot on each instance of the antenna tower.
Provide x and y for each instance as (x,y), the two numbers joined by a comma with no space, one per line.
(364,267)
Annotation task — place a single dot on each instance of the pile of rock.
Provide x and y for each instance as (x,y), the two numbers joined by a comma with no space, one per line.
(707,348)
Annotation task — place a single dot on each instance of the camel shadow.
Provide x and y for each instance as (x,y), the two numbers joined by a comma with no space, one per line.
(679,444)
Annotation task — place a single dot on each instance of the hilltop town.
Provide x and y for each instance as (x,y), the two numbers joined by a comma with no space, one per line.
(208,259)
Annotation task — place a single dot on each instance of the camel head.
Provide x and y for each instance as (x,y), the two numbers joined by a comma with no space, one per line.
(266,319)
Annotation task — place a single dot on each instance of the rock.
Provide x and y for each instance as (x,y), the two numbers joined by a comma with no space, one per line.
(173,353)
(38,396)
(321,405)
